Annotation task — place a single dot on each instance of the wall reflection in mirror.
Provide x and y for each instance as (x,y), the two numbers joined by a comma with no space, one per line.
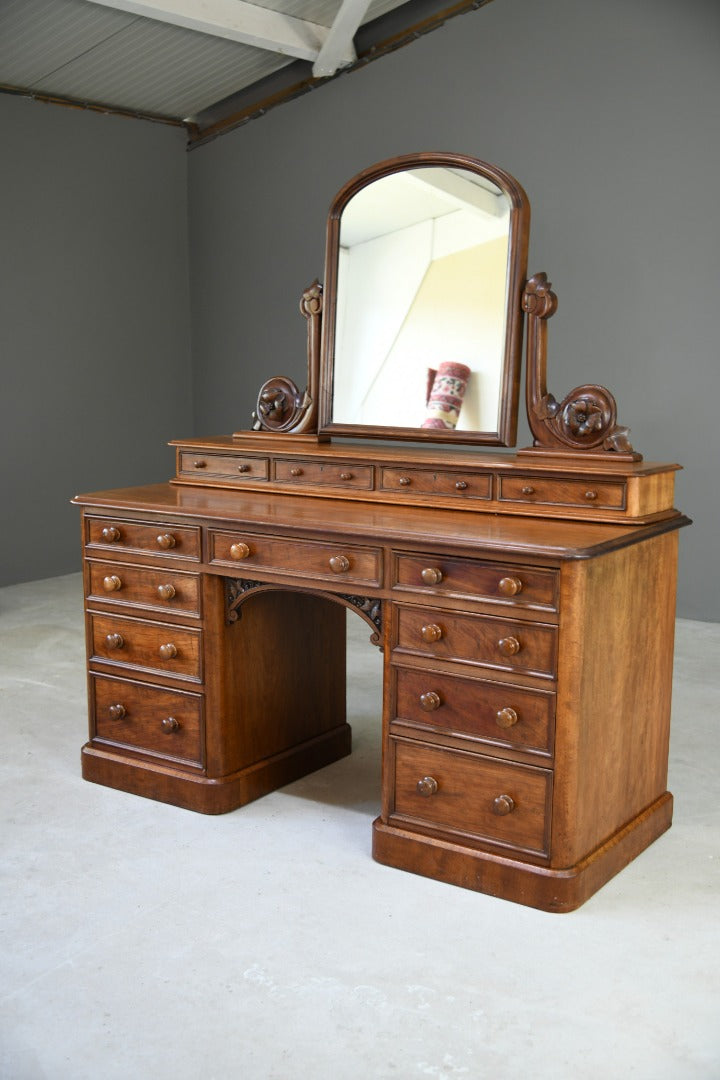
(422,302)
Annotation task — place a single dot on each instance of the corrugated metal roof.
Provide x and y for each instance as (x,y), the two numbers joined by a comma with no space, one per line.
(82,51)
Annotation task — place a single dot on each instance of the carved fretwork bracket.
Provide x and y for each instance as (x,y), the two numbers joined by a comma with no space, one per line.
(281,405)
(586,419)
(370,608)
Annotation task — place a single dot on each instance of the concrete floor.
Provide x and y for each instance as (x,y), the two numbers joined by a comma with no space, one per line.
(142,941)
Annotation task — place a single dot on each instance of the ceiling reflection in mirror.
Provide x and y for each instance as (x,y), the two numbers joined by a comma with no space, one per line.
(422,281)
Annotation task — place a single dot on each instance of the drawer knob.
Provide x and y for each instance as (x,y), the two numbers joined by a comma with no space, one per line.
(432,575)
(296,471)
(239,551)
(117,712)
(244,468)
(115,641)
(431,632)
(166,592)
(430,701)
(528,490)
(504,804)
(169,651)
(166,541)
(591,495)
(110,534)
(461,485)
(200,464)
(506,717)
(346,476)
(112,583)
(427,786)
(404,481)
(509,646)
(510,586)
(170,724)
(339,564)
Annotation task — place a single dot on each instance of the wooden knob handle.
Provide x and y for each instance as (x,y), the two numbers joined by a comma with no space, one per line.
(591,495)
(243,468)
(346,476)
(117,712)
(510,586)
(200,464)
(432,575)
(404,481)
(461,485)
(168,651)
(504,804)
(112,583)
(528,490)
(296,471)
(170,724)
(506,717)
(110,534)
(509,646)
(115,641)
(427,786)
(430,701)
(239,551)
(339,564)
(431,632)
(166,592)
(166,541)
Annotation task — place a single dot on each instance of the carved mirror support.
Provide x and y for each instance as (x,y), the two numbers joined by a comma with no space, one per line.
(281,406)
(586,419)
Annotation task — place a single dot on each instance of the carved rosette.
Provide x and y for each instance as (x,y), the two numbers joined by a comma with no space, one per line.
(586,419)
(281,406)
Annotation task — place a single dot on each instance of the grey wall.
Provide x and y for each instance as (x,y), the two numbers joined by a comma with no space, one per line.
(94,319)
(606,113)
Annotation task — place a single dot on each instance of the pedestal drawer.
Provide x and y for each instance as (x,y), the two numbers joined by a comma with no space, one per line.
(116,534)
(506,644)
(497,582)
(169,650)
(161,589)
(492,712)
(501,802)
(167,723)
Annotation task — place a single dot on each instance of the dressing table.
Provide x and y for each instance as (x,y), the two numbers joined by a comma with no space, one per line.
(524,602)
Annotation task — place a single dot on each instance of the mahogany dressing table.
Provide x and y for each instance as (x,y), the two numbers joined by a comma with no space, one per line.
(524,602)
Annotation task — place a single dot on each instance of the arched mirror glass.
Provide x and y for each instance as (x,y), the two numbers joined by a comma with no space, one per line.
(426,260)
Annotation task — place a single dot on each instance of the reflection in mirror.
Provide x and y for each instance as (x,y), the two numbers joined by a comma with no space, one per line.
(422,282)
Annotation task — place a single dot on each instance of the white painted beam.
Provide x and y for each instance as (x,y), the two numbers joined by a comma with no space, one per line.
(235,20)
(338,50)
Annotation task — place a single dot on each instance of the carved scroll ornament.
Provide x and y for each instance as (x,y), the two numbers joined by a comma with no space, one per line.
(586,419)
(281,405)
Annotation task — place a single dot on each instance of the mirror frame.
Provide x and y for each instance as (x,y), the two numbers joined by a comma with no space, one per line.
(516,276)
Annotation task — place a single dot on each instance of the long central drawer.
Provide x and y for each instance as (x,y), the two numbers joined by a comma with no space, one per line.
(297,558)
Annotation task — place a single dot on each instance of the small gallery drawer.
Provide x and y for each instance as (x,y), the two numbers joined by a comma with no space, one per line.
(488,711)
(494,800)
(297,558)
(201,466)
(179,541)
(170,650)
(604,494)
(325,473)
(465,485)
(159,589)
(525,647)
(496,582)
(163,722)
